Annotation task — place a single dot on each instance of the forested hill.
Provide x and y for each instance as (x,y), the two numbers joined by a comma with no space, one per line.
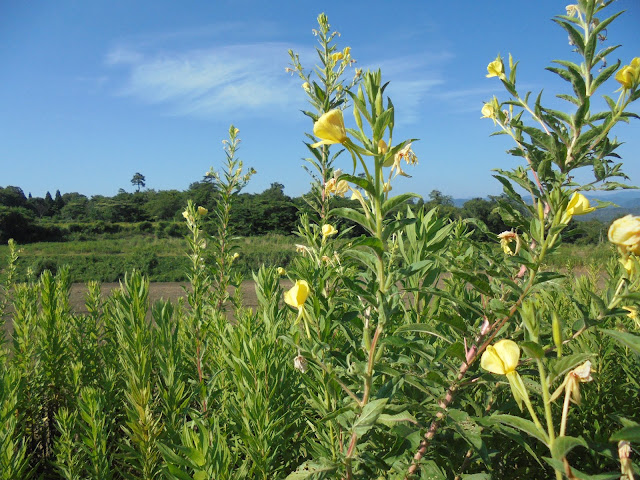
(73,215)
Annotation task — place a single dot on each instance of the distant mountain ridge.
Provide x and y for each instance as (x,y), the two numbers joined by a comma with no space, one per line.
(627,201)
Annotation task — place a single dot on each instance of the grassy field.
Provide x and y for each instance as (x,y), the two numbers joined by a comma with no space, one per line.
(162,259)
(108,258)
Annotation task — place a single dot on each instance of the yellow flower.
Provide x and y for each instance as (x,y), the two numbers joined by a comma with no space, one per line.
(234,256)
(382,147)
(496,68)
(347,51)
(626,76)
(185,214)
(488,111)
(297,295)
(338,188)
(625,233)
(501,358)
(202,211)
(386,188)
(281,271)
(337,56)
(306,87)
(505,242)
(328,230)
(578,205)
(330,128)
(633,312)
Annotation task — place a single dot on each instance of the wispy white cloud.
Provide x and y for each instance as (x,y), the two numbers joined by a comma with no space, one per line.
(246,78)
(412,78)
(467,100)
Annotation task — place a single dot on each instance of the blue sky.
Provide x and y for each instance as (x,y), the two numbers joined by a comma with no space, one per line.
(93,92)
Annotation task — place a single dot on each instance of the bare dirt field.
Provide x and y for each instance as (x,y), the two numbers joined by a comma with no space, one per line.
(157,291)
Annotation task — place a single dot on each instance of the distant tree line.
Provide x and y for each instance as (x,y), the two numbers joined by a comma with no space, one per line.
(54,217)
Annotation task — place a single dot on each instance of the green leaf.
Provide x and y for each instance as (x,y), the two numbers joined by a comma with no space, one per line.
(374,243)
(391,420)
(630,434)
(420,328)
(522,424)
(394,202)
(354,216)
(533,350)
(543,277)
(604,75)
(563,445)
(311,469)
(363,183)
(626,339)
(559,466)
(574,34)
(195,456)
(175,471)
(369,416)
(560,367)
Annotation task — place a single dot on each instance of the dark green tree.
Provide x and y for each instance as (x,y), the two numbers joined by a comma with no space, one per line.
(138,181)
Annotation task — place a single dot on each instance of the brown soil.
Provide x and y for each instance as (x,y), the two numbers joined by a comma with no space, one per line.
(157,291)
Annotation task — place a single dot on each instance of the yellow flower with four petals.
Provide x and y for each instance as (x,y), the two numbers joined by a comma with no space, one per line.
(330,129)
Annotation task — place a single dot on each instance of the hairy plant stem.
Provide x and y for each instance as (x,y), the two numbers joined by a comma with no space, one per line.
(368,377)
(482,341)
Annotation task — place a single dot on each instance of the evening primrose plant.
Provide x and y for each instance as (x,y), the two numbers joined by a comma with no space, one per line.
(511,294)
(396,345)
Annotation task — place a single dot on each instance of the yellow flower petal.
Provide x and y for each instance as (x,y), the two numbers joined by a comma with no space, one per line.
(625,233)
(501,358)
(330,128)
(625,76)
(297,295)
(579,205)
(495,68)
(328,230)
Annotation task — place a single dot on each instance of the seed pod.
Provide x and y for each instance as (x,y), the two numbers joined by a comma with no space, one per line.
(556,328)
(356,114)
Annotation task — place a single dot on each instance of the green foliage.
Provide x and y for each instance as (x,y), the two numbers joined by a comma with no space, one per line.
(412,344)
